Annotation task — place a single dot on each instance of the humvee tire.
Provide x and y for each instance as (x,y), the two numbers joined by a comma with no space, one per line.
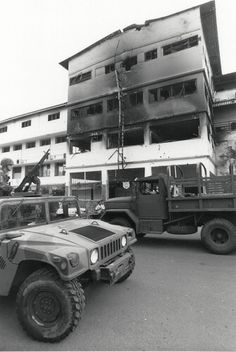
(219,236)
(47,307)
(124,277)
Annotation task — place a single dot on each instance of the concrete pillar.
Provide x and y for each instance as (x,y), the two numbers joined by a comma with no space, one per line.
(148,170)
(105,183)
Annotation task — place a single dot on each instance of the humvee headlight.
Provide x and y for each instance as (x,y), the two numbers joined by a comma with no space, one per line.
(73,259)
(63,265)
(94,256)
(123,241)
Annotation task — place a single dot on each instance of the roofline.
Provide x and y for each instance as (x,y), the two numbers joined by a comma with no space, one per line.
(28,114)
(203,7)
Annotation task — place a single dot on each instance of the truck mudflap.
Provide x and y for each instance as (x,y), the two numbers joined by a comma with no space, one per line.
(114,271)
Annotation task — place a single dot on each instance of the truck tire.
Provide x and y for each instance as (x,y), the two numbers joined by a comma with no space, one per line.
(47,307)
(132,259)
(219,236)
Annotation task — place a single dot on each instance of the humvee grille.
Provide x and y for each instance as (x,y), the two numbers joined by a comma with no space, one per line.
(2,263)
(94,233)
(110,248)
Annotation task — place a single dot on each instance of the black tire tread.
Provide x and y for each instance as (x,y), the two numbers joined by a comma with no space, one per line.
(73,288)
(226,223)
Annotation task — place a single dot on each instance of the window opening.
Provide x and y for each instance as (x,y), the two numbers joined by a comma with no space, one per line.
(3,129)
(136,98)
(81,145)
(153,95)
(81,78)
(129,62)
(17,147)
(112,104)
(45,141)
(109,68)
(60,139)
(26,123)
(150,55)
(30,145)
(131,137)
(175,131)
(59,169)
(84,111)
(6,149)
(180,45)
(55,116)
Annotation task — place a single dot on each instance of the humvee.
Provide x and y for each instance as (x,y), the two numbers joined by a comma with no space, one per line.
(48,253)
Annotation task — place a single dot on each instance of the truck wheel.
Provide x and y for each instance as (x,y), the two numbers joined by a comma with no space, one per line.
(47,307)
(219,236)
(132,262)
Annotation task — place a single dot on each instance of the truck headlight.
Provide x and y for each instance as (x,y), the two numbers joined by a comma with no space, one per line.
(123,241)
(73,259)
(94,256)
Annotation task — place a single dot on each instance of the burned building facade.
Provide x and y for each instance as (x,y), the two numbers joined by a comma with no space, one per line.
(140,101)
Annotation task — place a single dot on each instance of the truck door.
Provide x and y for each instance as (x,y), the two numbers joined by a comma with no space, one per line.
(151,200)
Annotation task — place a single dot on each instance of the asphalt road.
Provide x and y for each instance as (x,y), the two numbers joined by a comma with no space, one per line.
(179,297)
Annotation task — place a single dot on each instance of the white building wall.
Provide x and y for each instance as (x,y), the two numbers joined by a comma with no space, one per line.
(40,129)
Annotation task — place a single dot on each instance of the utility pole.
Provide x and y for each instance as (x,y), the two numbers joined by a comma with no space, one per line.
(121,164)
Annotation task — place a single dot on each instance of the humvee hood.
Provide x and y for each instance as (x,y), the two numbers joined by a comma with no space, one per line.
(72,231)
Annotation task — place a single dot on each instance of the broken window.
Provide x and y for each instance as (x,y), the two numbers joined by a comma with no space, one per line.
(84,111)
(96,137)
(112,140)
(81,145)
(129,62)
(190,87)
(80,78)
(178,89)
(136,98)
(112,104)
(180,45)
(150,55)
(153,95)
(26,123)
(165,93)
(3,129)
(175,131)
(109,68)
(133,136)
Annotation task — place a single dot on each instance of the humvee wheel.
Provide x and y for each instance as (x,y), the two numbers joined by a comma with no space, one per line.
(219,236)
(47,307)
(132,262)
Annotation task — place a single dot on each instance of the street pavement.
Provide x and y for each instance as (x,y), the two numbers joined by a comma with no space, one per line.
(179,297)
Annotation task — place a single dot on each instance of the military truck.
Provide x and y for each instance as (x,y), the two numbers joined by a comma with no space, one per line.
(47,255)
(180,205)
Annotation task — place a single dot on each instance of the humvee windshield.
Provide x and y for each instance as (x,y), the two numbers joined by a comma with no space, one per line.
(24,212)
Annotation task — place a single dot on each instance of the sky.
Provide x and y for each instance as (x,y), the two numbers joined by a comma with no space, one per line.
(38,34)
